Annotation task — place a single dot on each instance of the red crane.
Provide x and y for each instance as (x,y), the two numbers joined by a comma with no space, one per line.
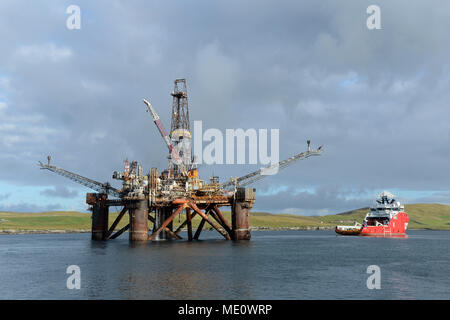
(173,151)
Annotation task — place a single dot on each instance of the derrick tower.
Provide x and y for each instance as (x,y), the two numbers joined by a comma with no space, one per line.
(180,132)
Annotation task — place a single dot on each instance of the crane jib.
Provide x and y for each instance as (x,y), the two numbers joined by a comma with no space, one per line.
(258,174)
(94,185)
(163,132)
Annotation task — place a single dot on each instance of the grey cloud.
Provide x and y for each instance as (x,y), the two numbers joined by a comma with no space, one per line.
(60,192)
(377,100)
(324,200)
(435,197)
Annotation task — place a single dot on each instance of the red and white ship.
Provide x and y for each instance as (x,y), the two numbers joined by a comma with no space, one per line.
(387,218)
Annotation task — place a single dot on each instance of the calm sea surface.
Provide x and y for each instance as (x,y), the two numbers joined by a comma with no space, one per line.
(273,265)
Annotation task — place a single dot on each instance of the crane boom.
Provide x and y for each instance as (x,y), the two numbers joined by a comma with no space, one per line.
(173,151)
(259,174)
(95,185)
(159,125)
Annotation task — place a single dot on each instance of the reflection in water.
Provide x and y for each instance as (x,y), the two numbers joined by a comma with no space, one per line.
(98,247)
(400,284)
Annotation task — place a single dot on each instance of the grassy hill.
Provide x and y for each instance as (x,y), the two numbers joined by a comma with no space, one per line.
(422,216)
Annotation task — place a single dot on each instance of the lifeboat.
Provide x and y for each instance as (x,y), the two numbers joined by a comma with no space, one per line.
(349,230)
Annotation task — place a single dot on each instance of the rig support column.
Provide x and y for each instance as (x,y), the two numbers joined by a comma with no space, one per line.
(160,216)
(139,221)
(240,213)
(189,223)
(100,212)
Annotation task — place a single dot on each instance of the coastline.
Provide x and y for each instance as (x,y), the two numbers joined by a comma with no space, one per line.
(49,231)
(44,231)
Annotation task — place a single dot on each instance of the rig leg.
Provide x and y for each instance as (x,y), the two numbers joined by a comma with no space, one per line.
(189,223)
(165,224)
(171,233)
(222,220)
(161,215)
(139,221)
(206,219)
(181,226)
(240,213)
(116,222)
(100,214)
(199,229)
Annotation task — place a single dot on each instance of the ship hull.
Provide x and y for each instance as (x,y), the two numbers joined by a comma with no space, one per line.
(384,235)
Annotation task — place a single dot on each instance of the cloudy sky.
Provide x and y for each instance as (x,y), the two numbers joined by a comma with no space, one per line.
(378,100)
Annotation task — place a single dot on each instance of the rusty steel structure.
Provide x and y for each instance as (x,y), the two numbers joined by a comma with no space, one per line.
(152,201)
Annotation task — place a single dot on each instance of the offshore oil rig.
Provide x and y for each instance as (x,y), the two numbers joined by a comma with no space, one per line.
(158,199)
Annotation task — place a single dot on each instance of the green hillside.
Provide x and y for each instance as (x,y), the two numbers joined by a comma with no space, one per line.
(422,216)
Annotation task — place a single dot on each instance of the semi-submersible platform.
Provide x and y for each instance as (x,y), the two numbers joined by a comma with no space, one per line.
(158,199)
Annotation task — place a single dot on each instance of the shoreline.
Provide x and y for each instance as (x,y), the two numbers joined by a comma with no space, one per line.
(43,231)
(72,231)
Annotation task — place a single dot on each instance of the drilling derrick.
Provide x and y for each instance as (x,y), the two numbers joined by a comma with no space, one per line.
(159,198)
(180,132)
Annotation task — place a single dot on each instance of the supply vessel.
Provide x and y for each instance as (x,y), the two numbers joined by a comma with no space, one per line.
(386,218)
